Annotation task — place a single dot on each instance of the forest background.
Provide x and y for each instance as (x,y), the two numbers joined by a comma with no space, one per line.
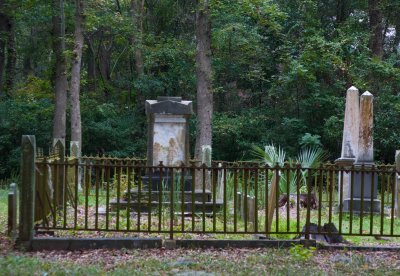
(279,71)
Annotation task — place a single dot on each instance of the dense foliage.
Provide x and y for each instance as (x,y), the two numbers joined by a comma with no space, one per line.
(280,72)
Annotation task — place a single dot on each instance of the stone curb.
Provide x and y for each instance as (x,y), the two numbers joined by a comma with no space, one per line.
(238,243)
(139,243)
(357,247)
(93,243)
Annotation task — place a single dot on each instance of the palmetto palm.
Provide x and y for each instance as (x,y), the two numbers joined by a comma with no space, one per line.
(307,158)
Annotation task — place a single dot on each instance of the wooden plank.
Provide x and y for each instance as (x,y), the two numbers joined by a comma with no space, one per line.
(272,200)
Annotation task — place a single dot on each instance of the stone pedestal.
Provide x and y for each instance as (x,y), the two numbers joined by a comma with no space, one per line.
(366,205)
(362,197)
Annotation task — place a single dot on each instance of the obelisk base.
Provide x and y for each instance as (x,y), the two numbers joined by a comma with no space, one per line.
(357,205)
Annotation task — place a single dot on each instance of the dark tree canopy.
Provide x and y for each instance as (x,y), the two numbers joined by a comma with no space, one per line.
(280,70)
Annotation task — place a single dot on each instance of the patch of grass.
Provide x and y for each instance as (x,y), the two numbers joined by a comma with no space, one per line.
(197,262)
(21,265)
(3,210)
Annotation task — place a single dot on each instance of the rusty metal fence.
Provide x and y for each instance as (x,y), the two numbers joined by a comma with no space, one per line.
(125,195)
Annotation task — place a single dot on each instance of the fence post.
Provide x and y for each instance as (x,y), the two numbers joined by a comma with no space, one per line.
(59,149)
(12,211)
(397,190)
(27,196)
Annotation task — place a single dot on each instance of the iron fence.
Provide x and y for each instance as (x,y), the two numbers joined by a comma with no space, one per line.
(126,195)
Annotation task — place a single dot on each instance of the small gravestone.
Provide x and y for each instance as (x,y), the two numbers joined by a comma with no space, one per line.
(206,157)
(331,233)
(206,153)
(12,211)
(251,211)
(74,149)
(314,232)
(75,152)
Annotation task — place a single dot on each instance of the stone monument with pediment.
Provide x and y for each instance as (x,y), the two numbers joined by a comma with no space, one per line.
(168,131)
(168,144)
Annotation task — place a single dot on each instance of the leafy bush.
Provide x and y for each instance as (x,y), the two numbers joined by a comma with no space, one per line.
(26,116)
(309,140)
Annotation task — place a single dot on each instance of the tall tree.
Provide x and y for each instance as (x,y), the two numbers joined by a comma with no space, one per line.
(76,126)
(342,10)
(8,55)
(396,40)
(59,122)
(137,10)
(3,40)
(376,28)
(11,58)
(204,77)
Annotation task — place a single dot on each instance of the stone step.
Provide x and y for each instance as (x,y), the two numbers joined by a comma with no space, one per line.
(199,207)
(155,195)
(164,183)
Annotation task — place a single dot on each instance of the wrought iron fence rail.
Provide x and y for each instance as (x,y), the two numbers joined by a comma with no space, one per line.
(226,199)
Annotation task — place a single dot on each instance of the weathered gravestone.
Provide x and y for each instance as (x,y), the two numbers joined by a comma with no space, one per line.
(168,132)
(350,139)
(168,143)
(360,188)
(168,139)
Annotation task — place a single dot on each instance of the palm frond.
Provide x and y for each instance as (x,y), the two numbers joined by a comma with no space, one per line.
(270,155)
(311,157)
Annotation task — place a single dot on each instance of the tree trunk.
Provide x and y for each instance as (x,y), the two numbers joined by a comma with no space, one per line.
(137,9)
(59,123)
(376,28)
(342,11)
(91,66)
(3,42)
(7,49)
(104,67)
(204,78)
(396,40)
(28,64)
(11,59)
(76,128)
(104,63)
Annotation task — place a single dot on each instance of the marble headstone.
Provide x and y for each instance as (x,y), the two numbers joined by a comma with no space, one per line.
(168,134)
